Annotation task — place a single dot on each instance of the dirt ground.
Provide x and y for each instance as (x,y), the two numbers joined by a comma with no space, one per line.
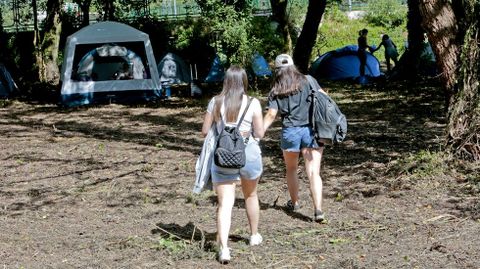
(110,187)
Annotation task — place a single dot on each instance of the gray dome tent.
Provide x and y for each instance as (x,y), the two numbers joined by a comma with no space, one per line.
(108,61)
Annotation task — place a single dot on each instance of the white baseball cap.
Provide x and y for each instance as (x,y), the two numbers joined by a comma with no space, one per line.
(283,60)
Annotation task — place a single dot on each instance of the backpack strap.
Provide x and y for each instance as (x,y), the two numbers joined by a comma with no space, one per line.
(245,111)
(313,88)
(313,83)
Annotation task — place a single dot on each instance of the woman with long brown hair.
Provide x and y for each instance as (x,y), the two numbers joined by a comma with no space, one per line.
(289,97)
(225,110)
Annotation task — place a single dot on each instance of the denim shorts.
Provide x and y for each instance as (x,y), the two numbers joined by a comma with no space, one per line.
(252,170)
(296,138)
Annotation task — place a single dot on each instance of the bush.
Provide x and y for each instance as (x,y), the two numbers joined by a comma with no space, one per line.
(386,13)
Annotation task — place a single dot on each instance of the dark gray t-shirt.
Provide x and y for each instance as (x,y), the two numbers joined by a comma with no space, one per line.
(294,109)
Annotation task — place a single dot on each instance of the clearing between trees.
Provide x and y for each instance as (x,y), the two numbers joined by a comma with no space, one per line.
(110,187)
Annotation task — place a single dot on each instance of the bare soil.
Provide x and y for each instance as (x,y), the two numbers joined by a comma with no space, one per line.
(110,187)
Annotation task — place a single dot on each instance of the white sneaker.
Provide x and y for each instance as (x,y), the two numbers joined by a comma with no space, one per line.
(256,239)
(224,255)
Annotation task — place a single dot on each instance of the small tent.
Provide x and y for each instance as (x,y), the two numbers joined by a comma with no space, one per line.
(108,61)
(343,63)
(173,70)
(217,72)
(260,66)
(7,85)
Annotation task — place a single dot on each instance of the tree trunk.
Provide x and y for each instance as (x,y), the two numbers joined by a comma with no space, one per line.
(85,9)
(308,37)
(108,11)
(408,67)
(36,32)
(456,47)
(441,25)
(464,114)
(279,14)
(47,56)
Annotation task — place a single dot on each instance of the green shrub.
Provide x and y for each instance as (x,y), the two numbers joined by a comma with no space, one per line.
(386,13)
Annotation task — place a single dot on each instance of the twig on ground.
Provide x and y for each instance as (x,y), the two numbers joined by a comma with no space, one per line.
(440,217)
(174,235)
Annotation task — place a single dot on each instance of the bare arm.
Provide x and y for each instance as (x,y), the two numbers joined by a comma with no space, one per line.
(269,118)
(257,121)
(207,123)
(377,48)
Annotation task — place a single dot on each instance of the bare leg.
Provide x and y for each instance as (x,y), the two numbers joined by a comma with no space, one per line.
(249,188)
(226,199)
(313,159)
(291,165)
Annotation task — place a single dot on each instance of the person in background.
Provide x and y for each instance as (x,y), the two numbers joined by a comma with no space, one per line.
(289,97)
(362,50)
(390,51)
(223,110)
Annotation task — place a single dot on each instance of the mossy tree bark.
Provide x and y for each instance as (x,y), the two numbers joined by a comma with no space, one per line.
(308,36)
(49,41)
(453,30)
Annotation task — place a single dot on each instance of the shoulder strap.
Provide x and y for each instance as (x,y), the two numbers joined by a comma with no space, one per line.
(313,83)
(245,111)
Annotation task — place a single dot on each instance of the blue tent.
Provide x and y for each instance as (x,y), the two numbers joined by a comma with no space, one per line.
(216,73)
(260,66)
(7,85)
(343,63)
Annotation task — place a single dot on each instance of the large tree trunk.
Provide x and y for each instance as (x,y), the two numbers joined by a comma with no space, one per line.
(308,37)
(47,56)
(464,114)
(279,14)
(456,47)
(409,63)
(441,25)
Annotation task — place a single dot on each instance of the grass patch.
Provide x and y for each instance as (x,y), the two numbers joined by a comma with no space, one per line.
(170,244)
(338,31)
(423,164)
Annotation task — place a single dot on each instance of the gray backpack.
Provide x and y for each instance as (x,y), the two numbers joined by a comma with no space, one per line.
(328,123)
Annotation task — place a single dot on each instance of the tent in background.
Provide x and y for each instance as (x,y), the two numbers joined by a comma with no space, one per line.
(173,70)
(108,61)
(260,66)
(217,72)
(343,63)
(7,85)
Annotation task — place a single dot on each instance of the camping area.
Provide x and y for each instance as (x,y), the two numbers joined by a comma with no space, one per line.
(98,172)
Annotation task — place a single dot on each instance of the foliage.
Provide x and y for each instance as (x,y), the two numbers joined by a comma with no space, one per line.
(386,13)
(269,41)
(230,28)
(337,31)
(171,244)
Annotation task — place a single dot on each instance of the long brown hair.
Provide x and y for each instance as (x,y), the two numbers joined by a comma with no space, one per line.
(287,81)
(235,85)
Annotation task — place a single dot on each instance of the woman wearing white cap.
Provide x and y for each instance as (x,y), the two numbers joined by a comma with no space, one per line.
(289,97)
